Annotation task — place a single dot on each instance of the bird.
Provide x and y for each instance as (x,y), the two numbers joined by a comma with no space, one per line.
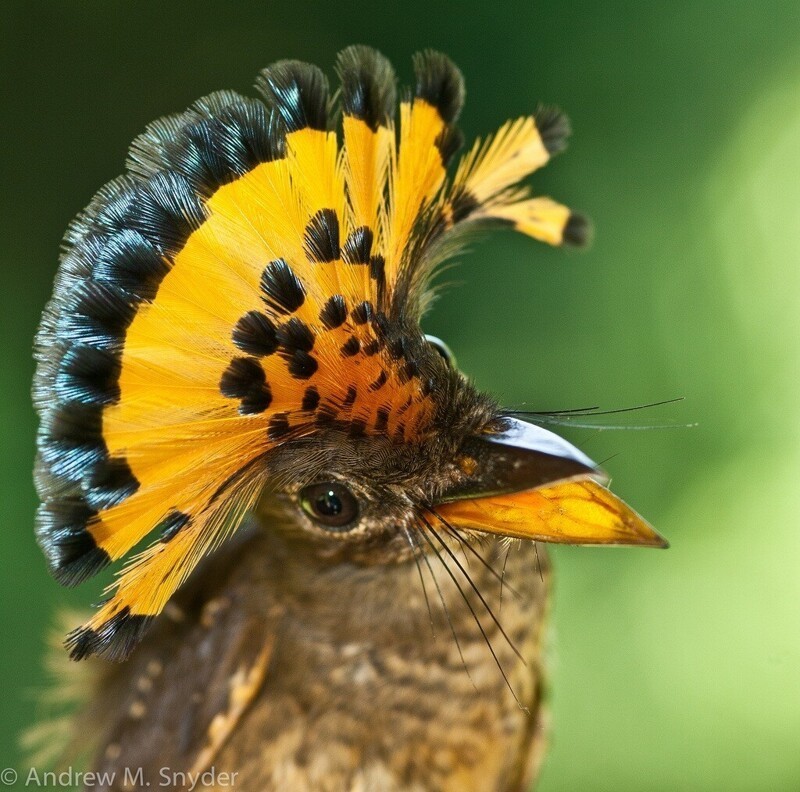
(334,577)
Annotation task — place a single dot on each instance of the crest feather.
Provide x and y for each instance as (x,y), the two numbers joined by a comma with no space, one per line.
(247,282)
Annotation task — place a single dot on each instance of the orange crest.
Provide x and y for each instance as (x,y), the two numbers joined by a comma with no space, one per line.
(252,277)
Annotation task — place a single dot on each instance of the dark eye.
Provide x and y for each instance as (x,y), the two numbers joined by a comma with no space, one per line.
(442,349)
(330,504)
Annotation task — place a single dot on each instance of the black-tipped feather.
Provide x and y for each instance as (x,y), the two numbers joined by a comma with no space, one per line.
(357,248)
(554,128)
(115,640)
(321,238)
(298,92)
(71,440)
(255,334)
(439,83)
(69,548)
(96,314)
(110,483)
(131,264)
(578,230)
(295,334)
(173,524)
(220,138)
(334,312)
(449,141)
(369,89)
(245,379)
(88,375)
(282,289)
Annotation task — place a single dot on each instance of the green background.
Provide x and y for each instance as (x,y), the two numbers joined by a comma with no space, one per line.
(675,670)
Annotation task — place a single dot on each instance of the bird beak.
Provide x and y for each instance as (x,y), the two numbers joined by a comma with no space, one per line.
(529,483)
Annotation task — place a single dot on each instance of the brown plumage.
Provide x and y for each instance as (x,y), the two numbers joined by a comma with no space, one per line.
(299,674)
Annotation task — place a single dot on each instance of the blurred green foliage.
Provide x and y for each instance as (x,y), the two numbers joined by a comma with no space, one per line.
(676,670)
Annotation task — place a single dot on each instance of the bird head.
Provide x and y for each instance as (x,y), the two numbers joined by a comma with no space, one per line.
(235,327)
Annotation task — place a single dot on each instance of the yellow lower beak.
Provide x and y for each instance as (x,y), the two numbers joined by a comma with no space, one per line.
(579,512)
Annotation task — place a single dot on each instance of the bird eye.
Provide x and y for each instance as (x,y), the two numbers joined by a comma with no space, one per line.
(442,349)
(330,504)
